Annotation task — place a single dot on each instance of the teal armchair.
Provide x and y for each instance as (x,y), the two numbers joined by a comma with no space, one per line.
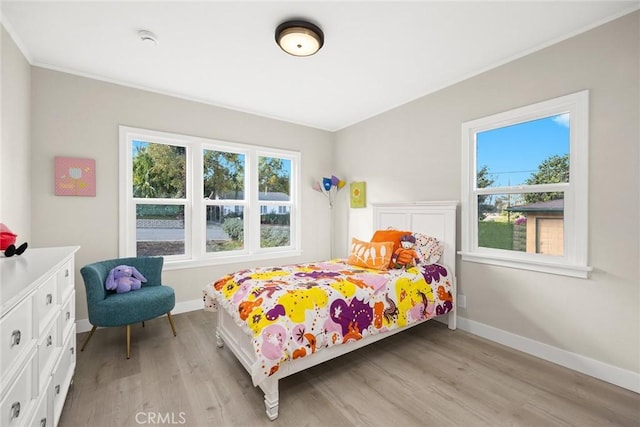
(110,309)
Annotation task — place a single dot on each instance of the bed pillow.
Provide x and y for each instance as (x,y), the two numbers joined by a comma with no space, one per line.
(429,248)
(389,235)
(374,255)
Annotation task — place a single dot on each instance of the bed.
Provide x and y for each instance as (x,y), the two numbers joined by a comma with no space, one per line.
(281,320)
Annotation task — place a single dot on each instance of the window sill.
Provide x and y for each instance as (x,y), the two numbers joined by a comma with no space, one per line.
(563,269)
(213,261)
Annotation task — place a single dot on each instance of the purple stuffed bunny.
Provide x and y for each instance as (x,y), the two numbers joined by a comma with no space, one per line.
(124,278)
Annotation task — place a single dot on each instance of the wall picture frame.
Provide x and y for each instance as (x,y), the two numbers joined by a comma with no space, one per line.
(358,194)
(75,176)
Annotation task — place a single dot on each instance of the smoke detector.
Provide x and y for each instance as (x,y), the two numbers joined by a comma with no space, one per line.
(148,38)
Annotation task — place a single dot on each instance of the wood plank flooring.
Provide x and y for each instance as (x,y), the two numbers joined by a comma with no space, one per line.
(425,376)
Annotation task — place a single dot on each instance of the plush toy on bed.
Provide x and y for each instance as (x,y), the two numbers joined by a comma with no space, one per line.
(405,256)
(124,278)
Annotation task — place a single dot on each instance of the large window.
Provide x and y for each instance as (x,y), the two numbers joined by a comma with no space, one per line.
(198,201)
(525,176)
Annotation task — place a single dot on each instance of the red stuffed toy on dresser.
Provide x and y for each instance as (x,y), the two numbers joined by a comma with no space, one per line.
(8,240)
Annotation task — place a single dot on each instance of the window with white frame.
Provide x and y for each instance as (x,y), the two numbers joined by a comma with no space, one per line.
(525,187)
(198,201)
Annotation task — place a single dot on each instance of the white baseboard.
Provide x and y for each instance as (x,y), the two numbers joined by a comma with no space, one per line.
(83,325)
(612,374)
(603,371)
(186,306)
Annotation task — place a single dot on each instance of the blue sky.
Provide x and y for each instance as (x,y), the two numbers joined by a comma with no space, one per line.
(136,145)
(513,153)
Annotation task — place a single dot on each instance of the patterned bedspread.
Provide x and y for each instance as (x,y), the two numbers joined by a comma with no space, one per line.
(297,310)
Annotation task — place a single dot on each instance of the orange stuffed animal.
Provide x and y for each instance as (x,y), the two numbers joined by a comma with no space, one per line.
(405,256)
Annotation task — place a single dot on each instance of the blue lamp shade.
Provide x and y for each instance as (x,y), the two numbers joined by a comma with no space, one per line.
(326,183)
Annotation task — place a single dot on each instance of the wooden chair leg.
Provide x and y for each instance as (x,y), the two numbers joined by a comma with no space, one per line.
(128,341)
(86,340)
(173,327)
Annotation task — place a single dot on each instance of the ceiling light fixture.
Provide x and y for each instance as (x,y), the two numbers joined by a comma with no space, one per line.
(299,38)
(148,37)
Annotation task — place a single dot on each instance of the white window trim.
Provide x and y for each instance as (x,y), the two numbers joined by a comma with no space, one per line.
(574,262)
(195,205)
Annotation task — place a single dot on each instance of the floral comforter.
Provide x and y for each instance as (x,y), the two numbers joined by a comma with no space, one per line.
(297,310)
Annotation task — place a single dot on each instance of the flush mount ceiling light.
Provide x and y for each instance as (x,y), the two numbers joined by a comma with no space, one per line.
(148,37)
(299,38)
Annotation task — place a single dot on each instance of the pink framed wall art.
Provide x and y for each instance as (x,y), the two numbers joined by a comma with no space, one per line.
(75,176)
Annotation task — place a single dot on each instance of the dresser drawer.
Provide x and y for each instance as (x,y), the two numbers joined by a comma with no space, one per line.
(65,280)
(15,406)
(16,330)
(63,374)
(67,317)
(46,303)
(43,413)
(48,350)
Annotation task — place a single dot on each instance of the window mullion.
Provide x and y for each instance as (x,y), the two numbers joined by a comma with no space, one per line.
(252,214)
(198,230)
(538,188)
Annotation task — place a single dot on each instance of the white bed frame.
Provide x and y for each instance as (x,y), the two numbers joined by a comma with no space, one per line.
(437,219)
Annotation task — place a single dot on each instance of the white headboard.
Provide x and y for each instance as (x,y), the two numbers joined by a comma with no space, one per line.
(436,219)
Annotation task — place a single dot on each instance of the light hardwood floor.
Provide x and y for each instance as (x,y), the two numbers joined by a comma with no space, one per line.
(425,376)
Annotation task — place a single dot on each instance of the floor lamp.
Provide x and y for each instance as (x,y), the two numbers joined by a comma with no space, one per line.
(329,187)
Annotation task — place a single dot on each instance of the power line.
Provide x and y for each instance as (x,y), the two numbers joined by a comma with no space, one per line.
(505,172)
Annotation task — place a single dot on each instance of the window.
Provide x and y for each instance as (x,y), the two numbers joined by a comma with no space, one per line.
(525,183)
(198,201)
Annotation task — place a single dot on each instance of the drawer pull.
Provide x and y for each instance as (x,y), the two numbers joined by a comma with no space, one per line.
(15,337)
(49,299)
(57,389)
(15,410)
(66,273)
(68,315)
(49,340)
(71,350)
(43,422)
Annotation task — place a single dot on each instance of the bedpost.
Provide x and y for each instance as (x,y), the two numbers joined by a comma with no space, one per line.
(219,341)
(271,397)
(452,317)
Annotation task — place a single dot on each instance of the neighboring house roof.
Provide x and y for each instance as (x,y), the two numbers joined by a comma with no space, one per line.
(550,206)
(276,197)
(268,196)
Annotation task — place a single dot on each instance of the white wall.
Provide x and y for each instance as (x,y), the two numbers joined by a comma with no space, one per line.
(79,117)
(15,147)
(598,318)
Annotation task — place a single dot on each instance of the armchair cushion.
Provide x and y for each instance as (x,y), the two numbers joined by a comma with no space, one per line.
(132,307)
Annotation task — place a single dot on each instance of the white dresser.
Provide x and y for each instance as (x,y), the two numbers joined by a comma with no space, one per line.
(38,335)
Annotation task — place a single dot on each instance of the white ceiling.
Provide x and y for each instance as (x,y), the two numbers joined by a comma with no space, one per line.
(377,54)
